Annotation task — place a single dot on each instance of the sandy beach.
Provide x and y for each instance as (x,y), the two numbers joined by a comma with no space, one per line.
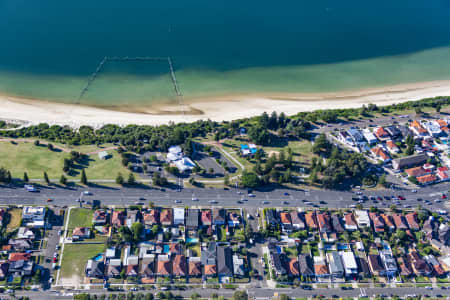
(217,109)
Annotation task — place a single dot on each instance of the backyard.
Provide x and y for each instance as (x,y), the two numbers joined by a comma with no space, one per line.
(80,217)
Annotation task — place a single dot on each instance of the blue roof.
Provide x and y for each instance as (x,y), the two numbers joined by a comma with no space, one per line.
(244,146)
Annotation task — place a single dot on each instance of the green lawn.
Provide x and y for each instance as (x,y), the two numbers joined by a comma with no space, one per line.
(26,157)
(80,217)
(75,257)
(15,219)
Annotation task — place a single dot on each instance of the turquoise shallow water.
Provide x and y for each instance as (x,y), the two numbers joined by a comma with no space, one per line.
(49,48)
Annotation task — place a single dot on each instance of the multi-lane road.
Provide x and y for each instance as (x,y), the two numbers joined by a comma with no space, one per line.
(219,197)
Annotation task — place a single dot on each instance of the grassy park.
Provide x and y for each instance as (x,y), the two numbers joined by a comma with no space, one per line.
(23,157)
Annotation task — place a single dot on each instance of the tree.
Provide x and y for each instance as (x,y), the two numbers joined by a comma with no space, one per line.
(126,234)
(137,229)
(226,179)
(382,180)
(63,180)
(151,204)
(8,177)
(240,295)
(46,178)
(25,177)
(211,171)
(36,143)
(119,179)
(321,145)
(83,179)
(438,108)
(250,179)
(50,146)
(131,180)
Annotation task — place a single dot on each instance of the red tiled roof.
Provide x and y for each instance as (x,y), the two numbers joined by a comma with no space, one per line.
(350,219)
(388,220)
(164,267)
(320,269)
(293,267)
(19,256)
(206,217)
(426,178)
(210,269)
(179,265)
(310,219)
(379,152)
(285,218)
(415,172)
(381,133)
(166,216)
(411,218)
(195,268)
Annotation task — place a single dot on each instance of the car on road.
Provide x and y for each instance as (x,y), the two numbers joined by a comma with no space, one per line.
(414,191)
(286,193)
(400,197)
(352,206)
(87,193)
(30,188)
(444,196)
(141,198)
(54,259)
(177,201)
(251,195)
(285,203)
(139,203)
(266,202)
(194,199)
(49,200)
(212,201)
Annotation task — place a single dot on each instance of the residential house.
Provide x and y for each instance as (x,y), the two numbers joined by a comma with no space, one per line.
(388,260)
(4,266)
(151,217)
(114,268)
(381,134)
(20,245)
(323,220)
(369,136)
(192,219)
(305,266)
(350,222)
(379,153)
(297,220)
(208,255)
(164,266)
(388,221)
(320,267)
(311,220)
(25,233)
(411,218)
(433,262)
(147,271)
(405,267)
(271,216)
(349,262)
(131,270)
(392,147)
(427,179)
(286,223)
(166,218)
(337,225)
(224,262)
(238,266)
(95,269)
(443,173)
(400,221)
(179,266)
(219,215)
(206,217)
(418,129)
(345,138)
(178,216)
(376,265)
(394,132)
(356,136)
(335,265)
(419,265)
(81,233)
(233,219)
(33,216)
(210,270)
(444,234)
(118,218)
(416,171)
(20,268)
(99,217)
(377,221)
(409,161)
(362,218)
(194,267)
(433,128)
(132,217)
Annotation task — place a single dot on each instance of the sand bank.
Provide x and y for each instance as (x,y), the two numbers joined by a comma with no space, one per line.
(218,108)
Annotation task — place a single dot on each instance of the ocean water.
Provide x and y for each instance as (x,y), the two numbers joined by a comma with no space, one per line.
(50,48)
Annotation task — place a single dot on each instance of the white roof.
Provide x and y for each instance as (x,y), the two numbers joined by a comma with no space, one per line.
(349,260)
(362,216)
(184,164)
(369,136)
(102,154)
(178,213)
(251,146)
(110,252)
(175,149)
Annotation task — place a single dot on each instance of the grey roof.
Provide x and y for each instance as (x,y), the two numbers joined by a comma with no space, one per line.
(305,265)
(393,131)
(209,255)
(271,215)
(192,218)
(277,263)
(296,219)
(224,261)
(219,215)
(335,263)
(97,269)
(336,222)
(410,161)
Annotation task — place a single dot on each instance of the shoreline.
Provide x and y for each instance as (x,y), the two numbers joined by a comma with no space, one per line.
(223,108)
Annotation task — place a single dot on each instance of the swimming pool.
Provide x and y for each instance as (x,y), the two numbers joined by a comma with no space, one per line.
(192,240)
(98,257)
(166,248)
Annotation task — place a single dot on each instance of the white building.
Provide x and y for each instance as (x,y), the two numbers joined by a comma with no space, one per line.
(362,218)
(369,136)
(33,216)
(178,216)
(432,127)
(176,157)
(175,153)
(350,266)
(103,155)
